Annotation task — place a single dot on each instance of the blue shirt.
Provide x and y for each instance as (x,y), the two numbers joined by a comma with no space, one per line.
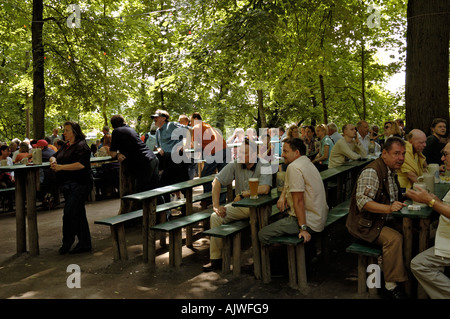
(164,138)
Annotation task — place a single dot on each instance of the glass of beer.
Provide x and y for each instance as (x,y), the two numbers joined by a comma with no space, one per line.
(253,184)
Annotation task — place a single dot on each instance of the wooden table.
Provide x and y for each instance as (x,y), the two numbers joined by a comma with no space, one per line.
(260,210)
(424,225)
(26,185)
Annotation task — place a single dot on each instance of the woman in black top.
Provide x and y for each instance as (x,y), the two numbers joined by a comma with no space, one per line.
(73,173)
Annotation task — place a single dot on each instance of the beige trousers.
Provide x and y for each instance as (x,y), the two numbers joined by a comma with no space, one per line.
(392,246)
(233,213)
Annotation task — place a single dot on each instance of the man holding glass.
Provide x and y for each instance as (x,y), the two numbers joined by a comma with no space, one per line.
(245,167)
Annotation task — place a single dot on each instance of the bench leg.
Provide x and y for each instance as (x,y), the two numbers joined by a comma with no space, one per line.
(362,275)
(325,243)
(162,235)
(115,243)
(301,268)
(122,242)
(237,254)
(175,248)
(292,267)
(226,255)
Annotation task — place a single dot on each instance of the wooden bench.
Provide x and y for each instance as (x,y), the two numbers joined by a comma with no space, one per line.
(296,260)
(367,255)
(174,227)
(231,235)
(117,223)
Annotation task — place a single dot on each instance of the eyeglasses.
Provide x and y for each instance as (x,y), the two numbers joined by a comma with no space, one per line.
(444,153)
(387,127)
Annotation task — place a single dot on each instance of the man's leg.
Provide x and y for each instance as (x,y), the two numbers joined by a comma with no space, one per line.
(429,271)
(215,248)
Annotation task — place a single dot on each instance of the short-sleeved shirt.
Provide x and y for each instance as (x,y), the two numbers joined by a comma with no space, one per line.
(240,174)
(74,153)
(127,142)
(303,176)
(164,138)
(326,141)
(211,140)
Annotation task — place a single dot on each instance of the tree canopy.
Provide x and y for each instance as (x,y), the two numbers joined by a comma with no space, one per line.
(240,63)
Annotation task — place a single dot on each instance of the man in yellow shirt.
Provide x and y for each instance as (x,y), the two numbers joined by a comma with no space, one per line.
(415,161)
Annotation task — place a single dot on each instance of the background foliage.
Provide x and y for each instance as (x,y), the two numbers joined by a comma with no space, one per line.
(312,60)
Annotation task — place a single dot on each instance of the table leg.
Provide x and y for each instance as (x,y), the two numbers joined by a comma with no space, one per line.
(33,237)
(255,242)
(189,231)
(148,240)
(424,236)
(263,217)
(21,236)
(407,249)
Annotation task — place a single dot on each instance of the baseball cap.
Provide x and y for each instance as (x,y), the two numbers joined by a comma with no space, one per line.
(41,143)
(160,113)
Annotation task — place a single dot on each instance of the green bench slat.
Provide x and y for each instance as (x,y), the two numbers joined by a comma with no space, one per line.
(226,230)
(338,212)
(6,190)
(114,220)
(183,221)
(286,240)
(361,249)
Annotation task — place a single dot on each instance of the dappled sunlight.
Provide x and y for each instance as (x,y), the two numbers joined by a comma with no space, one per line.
(204,283)
(39,274)
(26,295)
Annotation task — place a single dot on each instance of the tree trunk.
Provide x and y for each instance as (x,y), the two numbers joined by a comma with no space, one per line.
(38,70)
(324,102)
(262,115)
(363,81)
(427,63)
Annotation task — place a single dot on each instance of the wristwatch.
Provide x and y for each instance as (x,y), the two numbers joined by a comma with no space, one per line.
(431,202)
(303,227)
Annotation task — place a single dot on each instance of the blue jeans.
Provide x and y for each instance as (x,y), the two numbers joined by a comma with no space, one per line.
(75,223)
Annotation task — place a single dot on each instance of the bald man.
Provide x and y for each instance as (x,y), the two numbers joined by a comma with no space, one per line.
(415,161)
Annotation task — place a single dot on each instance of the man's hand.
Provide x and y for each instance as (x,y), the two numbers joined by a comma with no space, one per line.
(396,206)
(306,236)
(282,203)
(220,211)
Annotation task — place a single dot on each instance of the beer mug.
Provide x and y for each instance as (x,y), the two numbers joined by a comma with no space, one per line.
(24,161)
(4,162)
(253,185)
(433,169)
(280,181)
(421,184)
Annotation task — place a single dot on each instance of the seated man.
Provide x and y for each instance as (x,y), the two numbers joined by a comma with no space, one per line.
(436,141)
(415,161)
(428,266)
(304,195)
(347,148)
(375,196)
(240,170)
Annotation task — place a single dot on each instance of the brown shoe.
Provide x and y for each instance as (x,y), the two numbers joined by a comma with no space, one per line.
(214,264)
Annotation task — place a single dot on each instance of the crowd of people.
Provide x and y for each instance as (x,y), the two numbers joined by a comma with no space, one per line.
(160,158)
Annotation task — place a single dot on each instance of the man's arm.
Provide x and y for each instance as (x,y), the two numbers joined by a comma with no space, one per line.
(412,177)
(216,187)
(299,208)
(422,196)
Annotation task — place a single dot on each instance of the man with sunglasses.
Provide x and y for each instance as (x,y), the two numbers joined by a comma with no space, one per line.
(246,166)
(428,266)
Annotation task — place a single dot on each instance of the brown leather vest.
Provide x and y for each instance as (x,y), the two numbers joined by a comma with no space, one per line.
(364,224)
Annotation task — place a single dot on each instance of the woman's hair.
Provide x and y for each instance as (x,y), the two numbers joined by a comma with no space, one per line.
(322,127)
(107,140)
(24,148)
(395,127)
(290,129)
(76,129)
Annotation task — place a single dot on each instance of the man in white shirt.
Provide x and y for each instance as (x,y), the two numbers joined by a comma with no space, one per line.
(362,130)
(303,195)
(428,266)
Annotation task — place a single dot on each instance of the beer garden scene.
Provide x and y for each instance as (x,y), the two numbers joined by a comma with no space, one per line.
(225,158)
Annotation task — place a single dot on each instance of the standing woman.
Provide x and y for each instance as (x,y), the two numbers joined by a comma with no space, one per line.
(73,172)
(326,145)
